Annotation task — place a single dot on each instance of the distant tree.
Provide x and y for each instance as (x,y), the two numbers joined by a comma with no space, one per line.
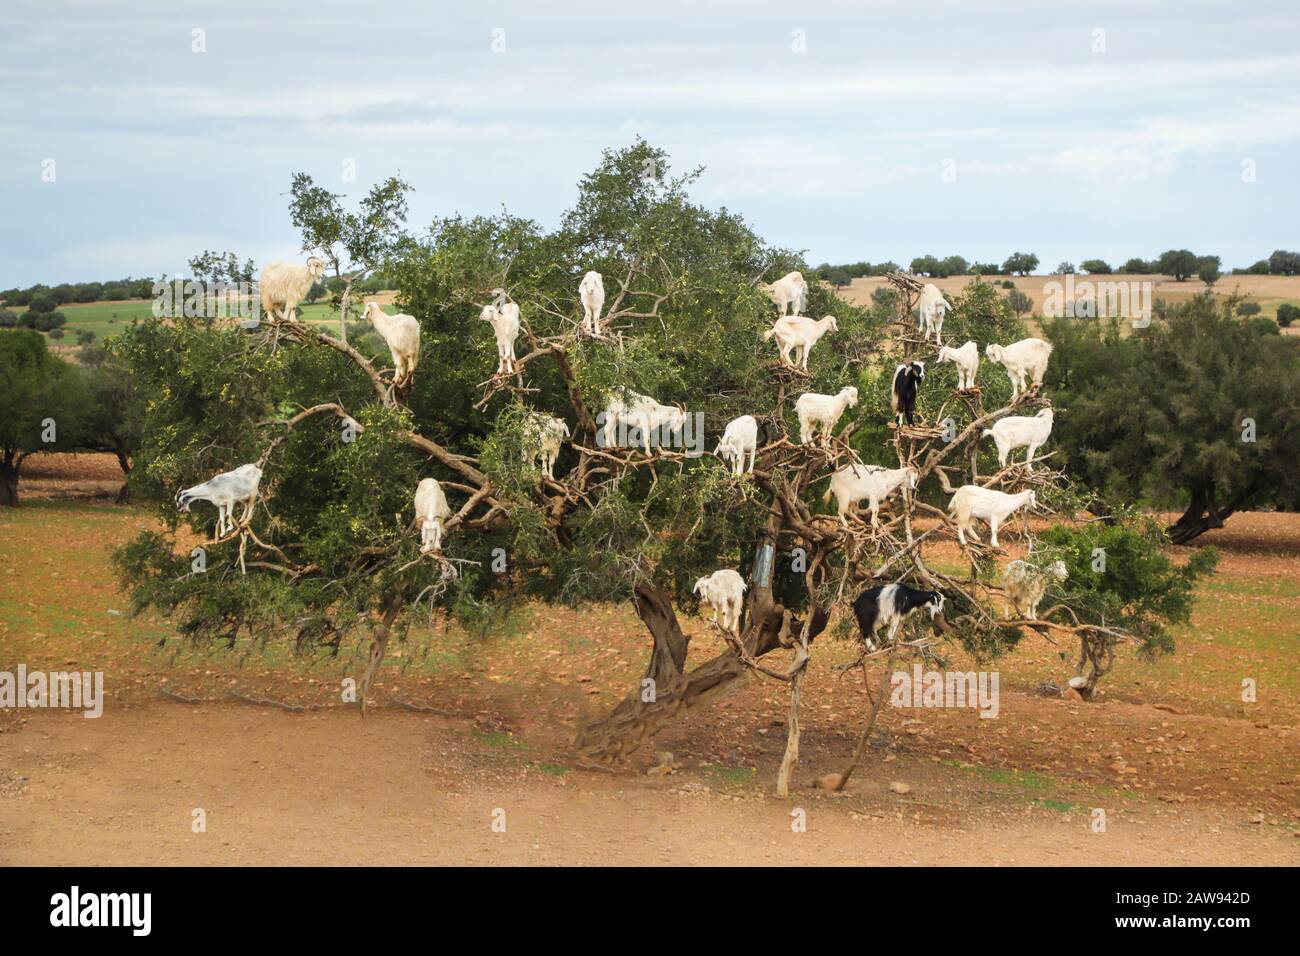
(1137,267)
(44,321)
(926,266)
(1283,263)
(42,302)
(8,319)
(1187,442)
(1248,308)
(1020,263)
(838,278)
(214,267)
(1096,267)
(985,269)
(1287,313)
(1020,302)
(1207,270)
(1260,268)
(1179,263)
(1065,269)
(43,399)
(954,266)
(1008,284)
(85,336)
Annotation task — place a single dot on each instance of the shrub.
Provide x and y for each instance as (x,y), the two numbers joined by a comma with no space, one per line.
(1287,313)
(1248,308)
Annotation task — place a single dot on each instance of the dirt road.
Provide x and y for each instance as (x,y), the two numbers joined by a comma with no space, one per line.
(402,788)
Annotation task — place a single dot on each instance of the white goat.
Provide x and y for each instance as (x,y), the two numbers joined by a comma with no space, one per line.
(724,591)
(972,501)
(852,483)
(504,319)
(225,491)
(799,332)
(591,291)
(284,285)
(1025,584)
(741,436)
(431,511)
(632,410)
(1018,431)
(967,360)
(402,333)
(822,410)
(543,436)
(931,308)
(1026,357)
(789,291)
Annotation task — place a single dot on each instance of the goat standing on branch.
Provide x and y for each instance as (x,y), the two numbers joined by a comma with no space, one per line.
(967,360)
(591,292)
(799,332)
(822,412)
(1019,431)
(852,483)
(1026,357)
(1025,584)
(402,333)
(789,292)
(284,285)
(907,379)
(543,437)
(629,410)
(225,491)
(972,501)
(931,308)
(740,437)
(724,591)
(504,319)
(890,605)
(431,512)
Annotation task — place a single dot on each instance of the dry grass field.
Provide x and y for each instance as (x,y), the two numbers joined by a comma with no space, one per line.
(1268,291)
(469,723)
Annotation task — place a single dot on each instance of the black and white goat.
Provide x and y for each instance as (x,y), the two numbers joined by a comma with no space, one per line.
(890,605)
(907,379)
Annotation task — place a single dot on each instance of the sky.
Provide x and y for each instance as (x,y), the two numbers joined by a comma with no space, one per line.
(134,135)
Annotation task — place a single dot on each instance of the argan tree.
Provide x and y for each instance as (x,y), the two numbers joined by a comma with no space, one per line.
(332,548)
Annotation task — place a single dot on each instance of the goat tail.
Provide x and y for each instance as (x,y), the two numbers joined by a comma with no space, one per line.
(827,497)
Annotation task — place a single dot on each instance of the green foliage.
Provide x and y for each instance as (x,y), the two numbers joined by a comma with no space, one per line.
(1248,308)
(1122,577)
(1095,267)
(1287,313)
(39,388)
(1141,416)
(1283,263)
(1179,263)
(1020,263)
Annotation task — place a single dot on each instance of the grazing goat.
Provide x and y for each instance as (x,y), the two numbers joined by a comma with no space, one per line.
(431,511)
(1018,431)
(591,291)
(822,410)
(402,333)
(907,378)
(931,308)
(799,332)
(890,605)
(967,360)
(504,319)
(543,436)
(633,410)
(724,591)
(1024,584)
(741,436)
(225,491)
(284,285)
(1026,357)
(852,483)
(972,501)
(789,292)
